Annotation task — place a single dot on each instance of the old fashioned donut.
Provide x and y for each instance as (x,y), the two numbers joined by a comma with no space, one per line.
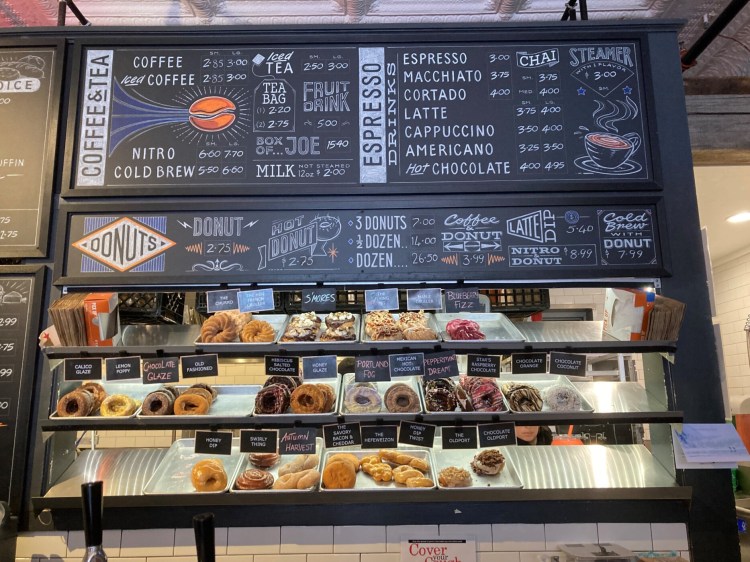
(401,398)
(339,474)
(209,476)
(257,331)
(329,394)
(485,395)
(200,392)
(191,405)
(97,391)
(523,397)
(118,405)
(272,399)
(206,386)
(254,479)
(562,398)
(362,399)
(220,328)
(158,403)
(76,404)
(308,398)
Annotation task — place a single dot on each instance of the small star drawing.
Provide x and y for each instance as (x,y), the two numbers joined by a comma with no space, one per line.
(581,91)
(333,253)
(627,90)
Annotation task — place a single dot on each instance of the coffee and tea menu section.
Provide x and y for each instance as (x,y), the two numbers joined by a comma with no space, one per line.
(389,244)
(28,116)
(510,116)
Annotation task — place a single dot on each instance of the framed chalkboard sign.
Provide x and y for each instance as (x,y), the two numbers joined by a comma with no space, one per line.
(218,242)
(381,111)
(30,79)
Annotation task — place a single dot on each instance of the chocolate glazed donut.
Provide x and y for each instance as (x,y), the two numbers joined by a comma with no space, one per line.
(273,399)
(158,403)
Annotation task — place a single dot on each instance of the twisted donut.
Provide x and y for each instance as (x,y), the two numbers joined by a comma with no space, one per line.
(209,476)
(76,404)
(560,397)
(273,399)
(220,328)
(118,405)
(401,398)
(257,331)
(361,399)
(158,403)
(308,398)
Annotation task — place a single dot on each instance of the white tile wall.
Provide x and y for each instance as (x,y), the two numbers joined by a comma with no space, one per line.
(495,543)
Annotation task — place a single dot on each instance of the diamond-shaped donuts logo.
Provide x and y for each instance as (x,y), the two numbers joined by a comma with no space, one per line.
(123,244)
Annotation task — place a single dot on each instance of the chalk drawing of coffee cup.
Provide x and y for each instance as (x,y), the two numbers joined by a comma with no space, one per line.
(610,151)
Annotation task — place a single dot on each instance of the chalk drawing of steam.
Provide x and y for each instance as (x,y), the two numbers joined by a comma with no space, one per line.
(196,115)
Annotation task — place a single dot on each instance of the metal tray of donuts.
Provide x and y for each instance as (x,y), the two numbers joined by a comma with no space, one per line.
(471,414)
(274,470)
(277,322)
(430,323)
(494,325)
(172,475)
(381,387)
(232,401)
(365,482)
(136,390)
(542,382)
(322,344)
(307,418)
(461,458)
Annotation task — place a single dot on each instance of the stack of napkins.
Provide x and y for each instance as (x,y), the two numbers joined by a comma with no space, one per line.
(665,319)
(707,445)
(68,316)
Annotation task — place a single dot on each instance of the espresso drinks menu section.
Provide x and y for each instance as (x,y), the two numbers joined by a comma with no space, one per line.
(26,116)
(375,115)
(271,246)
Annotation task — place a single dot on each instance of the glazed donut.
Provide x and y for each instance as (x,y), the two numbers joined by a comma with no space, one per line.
(308,398)
(440,399)
(220,328)
(118,405)
(209,476)
(263,460)
(76,404)
(205,386)
(289,382)
(97,391)
(190,405)
(257,331)
(158,403)
(273,399)
(254,479)
(329,394)
(460,329)
(360,399)
(401,398)
(560,397)
(485,395)
(523,397)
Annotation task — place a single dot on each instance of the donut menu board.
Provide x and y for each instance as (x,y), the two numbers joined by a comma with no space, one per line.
(27,116)
(316,119)
(372,245)
(16,296)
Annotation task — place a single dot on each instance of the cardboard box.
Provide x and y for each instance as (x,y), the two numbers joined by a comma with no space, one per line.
(626,313)
(102,319)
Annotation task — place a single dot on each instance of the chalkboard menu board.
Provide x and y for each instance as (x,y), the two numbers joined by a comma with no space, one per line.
(20,299)
(410,118)
(28,121)
(368,245)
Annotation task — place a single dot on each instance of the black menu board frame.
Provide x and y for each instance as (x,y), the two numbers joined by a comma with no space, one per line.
(271,242)
(146,169)
(21,388)
(32,67)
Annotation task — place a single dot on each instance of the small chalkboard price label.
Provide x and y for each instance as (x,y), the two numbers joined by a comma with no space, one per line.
(122,368)
(259,441)
(5,403)
(459,437)
(282,365)
(372,368)
(412,433)
(297,441)
(424,299)
(483,365)
(319,300)
(321,367)
(194,366)
(379,436)
(440,365)
(213,442)
(573,364)
(256,301)
(342,435)
(217,301)
(497,434)
(463,300)
(532,363)
(88,369)
(381,299)
(406,364)
(163,369)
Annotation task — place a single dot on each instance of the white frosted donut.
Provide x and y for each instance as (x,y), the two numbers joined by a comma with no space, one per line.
(560,397)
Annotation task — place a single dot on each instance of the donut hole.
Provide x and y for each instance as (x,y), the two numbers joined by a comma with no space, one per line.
(71,407)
